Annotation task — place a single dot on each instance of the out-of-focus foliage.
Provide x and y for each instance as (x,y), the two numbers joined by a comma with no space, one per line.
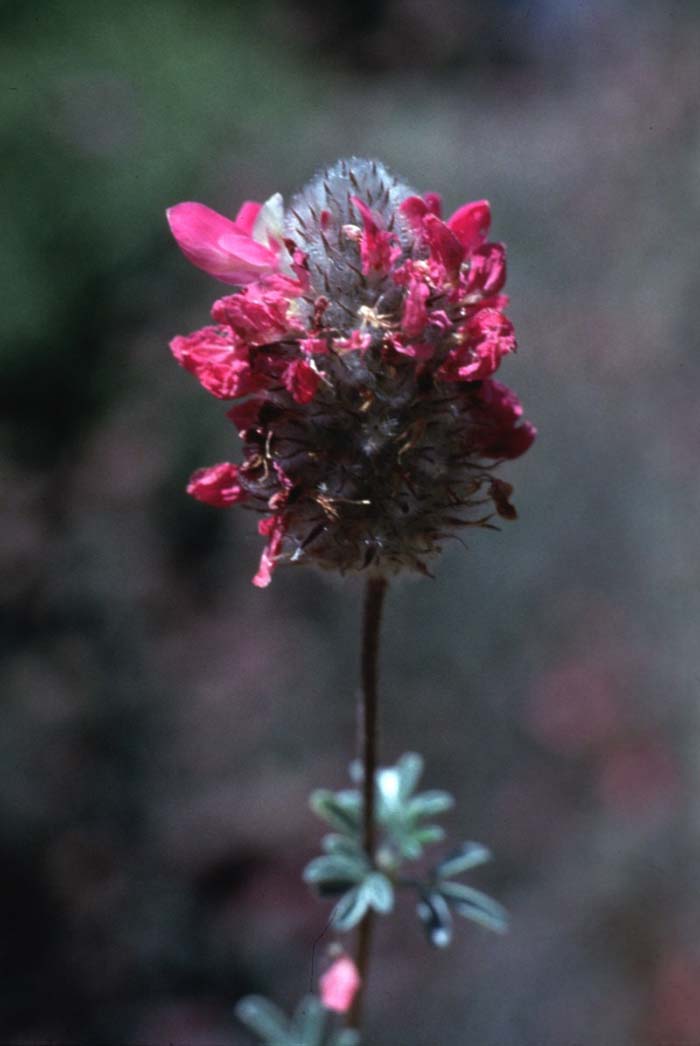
(345,868)
(163,722)
(308,1026)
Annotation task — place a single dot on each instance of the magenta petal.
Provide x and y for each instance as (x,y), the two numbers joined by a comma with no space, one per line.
(245,415)
(505,433)
(471,223)
(433,201)
(248,252)
(445,247)
(272,527)
(216,485)
(414,209)
(301,381)
(247,213)
(219,359)
(197,230)
(214,243)
(375,243)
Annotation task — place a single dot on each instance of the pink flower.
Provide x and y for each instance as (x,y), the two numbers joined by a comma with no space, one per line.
(487,270)
(417,350)
(363,360)
(273,529)
(470,224)
(503,433)
(237,251)
(261,312)
(444,246)
(301,380)
(415,208)
(482,341)
(245,415)
(217,485)
(314,346)
(356,341)
(220,360)
(414,318)
(339,985)
(376,245)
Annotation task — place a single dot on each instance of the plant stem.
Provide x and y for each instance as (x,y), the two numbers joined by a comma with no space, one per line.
(371,621)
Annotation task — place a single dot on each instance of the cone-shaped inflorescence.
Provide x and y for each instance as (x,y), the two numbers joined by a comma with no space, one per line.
(360,348)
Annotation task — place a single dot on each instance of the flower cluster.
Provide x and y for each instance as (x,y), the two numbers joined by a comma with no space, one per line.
(360,348)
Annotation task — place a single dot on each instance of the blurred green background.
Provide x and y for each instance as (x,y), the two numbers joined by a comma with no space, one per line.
(163,721)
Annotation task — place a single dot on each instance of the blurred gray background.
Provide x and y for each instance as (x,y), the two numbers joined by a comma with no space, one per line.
(162,720)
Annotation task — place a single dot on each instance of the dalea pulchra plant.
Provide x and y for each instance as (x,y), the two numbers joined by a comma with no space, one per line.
(357,353)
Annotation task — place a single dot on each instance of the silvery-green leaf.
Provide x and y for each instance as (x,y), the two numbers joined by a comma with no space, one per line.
(437,921)
(466,856)
(475,905)
(346,1037)
(378,892)
(496,921)
(265,1019)
(336,868)
(309,1022)
(389,787)
(341,844)
(357,772)
(410,768)
(428,804)
(349,799)
(326,806)
(429,833)
(349,910)
(410,847)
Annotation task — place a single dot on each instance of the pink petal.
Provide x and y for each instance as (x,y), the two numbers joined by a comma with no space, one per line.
(272,527)
(245,219)
(358,340)
(215,244)
(301,381)
(417,350)
(444,245)
(314,346)
(414,210)
(216,485)
(375,243)
(415,313)
(249,252)
(259,314)
(471,223)
(433,202)
(219,359)
(245,415)
(505,434)
(487,269)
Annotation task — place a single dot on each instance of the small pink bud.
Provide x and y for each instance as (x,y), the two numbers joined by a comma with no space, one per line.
(339,985)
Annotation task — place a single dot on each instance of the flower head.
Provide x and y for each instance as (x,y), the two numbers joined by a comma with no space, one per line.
(361,348)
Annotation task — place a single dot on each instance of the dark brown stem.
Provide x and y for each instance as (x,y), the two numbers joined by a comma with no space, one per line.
(372,617)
